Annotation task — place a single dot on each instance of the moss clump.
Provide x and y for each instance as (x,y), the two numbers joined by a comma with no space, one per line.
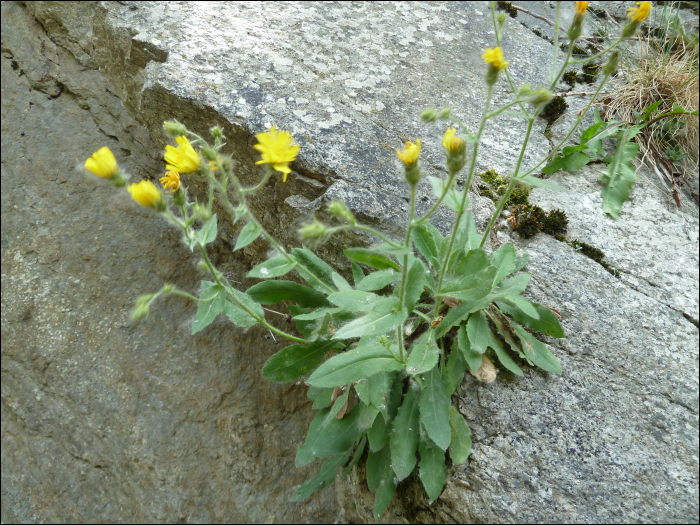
(590,72)
(508,8)
(497,186)
(519,195)
(555,223)
(554,109)
(594,253)
(570,76)
(491,176)
(527,220)
(542,35)
(579,51)
(485,191)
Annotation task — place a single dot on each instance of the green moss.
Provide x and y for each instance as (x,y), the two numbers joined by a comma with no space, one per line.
(594,253)
(542,35)
(519,195)
(485,191)
(555,223)
(527,220)
(508,8)
(497,186)
(554,109)
(579,51)
(491,176)
(548,135)
(590,72)
(570,76)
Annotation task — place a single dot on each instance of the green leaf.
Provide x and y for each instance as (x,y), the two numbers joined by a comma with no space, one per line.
(526,306)
(208,232)
(540,183)
(536,351)
(426,244)
(320,396)
(249,233)
(356,458)
(572,159)
(424,355)
(378,435)
(461,311)
(311,266)
(381,319)
(435,405)
(467,236)
(327,437)
(297,360)
(317,314)
(472,286)
(620,175)
(275,267)
(369,358)
(357,274)
(376,280)
(504,328)
(504,260)
(478,331)
(432,469)
(237,315)
(453,373)
(305,328)
(338,405)
(385,391)
(475,261)
(393,250)
(212,302)
(404,439)
(362,389)
(415,283)
(521,260)
(356,300)
(503,356)
(513,286)
(368,413)
(340,282)
(472,357)
(325,477)
(271,292)
(370,258)
(380,478)
(461,445)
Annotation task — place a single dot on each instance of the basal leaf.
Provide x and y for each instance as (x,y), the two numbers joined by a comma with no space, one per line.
(381,319)
(435,405)
(357,274)
(297,360)
(340,282)
(548,323)
(322,397)
(271,292)
(424,355)
(364,361)
(472,357)
(370,258)
(513,286)
(211,304)
(461,445)
(453,373)
(536,351)
(404,439)
(461,311)
(356,300)
(324,478)
(368,413)
(249,233)
(526,306)
(356,458)
(478,331)
(378,434)
(327,437)
(380,478)
(385,390)
(274,267)
(503,356)
(475,261)
(504,260)
(472,286)
(376,280)
(432,469)
(415,283)
(620,175)
(540,183)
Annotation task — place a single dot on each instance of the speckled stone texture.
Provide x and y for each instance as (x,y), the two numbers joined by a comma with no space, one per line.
(106,421)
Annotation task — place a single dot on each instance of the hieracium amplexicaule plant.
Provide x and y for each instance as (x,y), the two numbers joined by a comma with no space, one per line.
(419,311)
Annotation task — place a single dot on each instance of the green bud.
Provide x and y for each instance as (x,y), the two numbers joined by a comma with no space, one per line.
(174,128)
(313,232)
(338,209)
(501,18)
(540,97)
(208,153)
(119,180)
(139,313)
(413,174)
(575,29)
(610,67)
(203,266)
(630,29)
(217,132)
(180,197)
(202,212)
(445,113)
(428,116)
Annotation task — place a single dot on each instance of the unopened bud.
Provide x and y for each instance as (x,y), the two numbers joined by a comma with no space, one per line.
(339,209)
(180,197)
(208,153)
(501,18)
(313,232)
(217,132)
(630,29)
(428,116)
(540,97)
(445,113)
(202,212)
(174,128)
(611,66)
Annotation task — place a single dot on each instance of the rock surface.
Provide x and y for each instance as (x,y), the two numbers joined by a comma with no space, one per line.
(158,425)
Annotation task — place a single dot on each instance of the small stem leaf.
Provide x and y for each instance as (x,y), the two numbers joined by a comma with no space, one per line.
(474,262)
(362,389)
(503,356)
(356,300)
(380,478)
(364,361)
(237,315)
(314,265)
(357,274)
(513,286)
(435,405)
(327,437)
(213,300)
(368,415)
(317,314)
(426,244)
(356,458)
(461,445)
(208,232)
(404,439)
(472,357)
(376,280)
(415,284)
(467,236)
(526,306)
(271,292)
(370,258)
(340,282)
(296,361)
(249,233)
(378,435)
(453,373)
(424,355)
(541,183)
(504,260)
(536,351)
(432,469)
(380,320)
(305,328)
(478,331)
(274,267)
(338,405)
(324,478)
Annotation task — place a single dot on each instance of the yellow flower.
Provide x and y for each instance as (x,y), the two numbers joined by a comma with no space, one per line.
(581,8)
(494,57)
(145,193)
(452,143)
(102,163)
(171,181)
(410,153)
(277,148)
(183,159)
(639,14)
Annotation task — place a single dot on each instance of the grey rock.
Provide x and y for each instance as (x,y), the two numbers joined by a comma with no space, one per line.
(106,421)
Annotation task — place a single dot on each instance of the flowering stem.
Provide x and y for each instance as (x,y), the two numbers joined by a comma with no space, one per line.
(429,213)
(335,229)
(260,184)
(404,273)
(588,59)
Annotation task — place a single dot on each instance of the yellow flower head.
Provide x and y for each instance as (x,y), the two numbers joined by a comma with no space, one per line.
(145,193)
(277,148)
(494,57)
(183,159)
(639,14)
(410,153)
(581,8)
(171,181)
(452,143)
(102,163)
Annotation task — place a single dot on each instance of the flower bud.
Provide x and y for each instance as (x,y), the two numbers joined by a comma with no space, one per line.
(456,149)
(338,209)
(409,157)
(428,116)
(174,128)
(180,197)
(208,153)
(501,18)
(496,64)
(540,97)
(202,212)
(217,132)
(611,66)
(313,232)
(445,113)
